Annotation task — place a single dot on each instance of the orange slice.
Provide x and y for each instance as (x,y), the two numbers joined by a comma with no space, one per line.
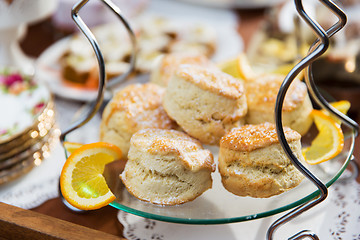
(238,67)
(72,146)
(82,182)
(343,106)
(328,143)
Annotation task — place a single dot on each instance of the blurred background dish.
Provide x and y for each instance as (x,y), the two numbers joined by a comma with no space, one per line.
(23,162)
(27,124)
(15,15)
(239,4)
(23,103)
(62,17)
(69,66)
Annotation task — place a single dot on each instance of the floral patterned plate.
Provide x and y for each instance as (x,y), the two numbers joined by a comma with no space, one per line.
(22,101)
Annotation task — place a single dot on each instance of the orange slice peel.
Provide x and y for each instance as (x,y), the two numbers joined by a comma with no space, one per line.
(82,182)
(238,67)
(343,106)
(72,146)
(328,143)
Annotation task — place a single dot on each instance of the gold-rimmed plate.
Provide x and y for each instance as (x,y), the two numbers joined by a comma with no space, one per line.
(32,135)
(33,158)
(22,102)
(28,152)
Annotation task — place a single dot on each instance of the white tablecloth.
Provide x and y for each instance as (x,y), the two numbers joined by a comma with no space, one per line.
(39,185)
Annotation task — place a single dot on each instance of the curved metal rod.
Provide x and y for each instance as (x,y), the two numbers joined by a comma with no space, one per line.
(321,101)
(355,171)
(116,80)
(303,234)
(321,45)
(96,104)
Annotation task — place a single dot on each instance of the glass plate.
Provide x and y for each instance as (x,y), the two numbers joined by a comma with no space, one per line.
(217,205)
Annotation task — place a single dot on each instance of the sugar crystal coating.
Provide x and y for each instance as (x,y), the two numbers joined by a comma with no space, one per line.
(251,137)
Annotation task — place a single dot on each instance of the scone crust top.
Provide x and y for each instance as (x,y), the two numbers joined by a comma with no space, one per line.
(211,79)
(251,137)
(164,142)
(262,93)
(142,106)
(170,61)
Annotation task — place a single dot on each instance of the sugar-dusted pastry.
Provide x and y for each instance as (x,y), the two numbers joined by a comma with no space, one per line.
(261,96)
(135,107)
(205,102)
(253,163)
(167,167)
(166,64)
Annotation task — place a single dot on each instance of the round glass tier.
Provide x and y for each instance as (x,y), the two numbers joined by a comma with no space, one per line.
(217,205)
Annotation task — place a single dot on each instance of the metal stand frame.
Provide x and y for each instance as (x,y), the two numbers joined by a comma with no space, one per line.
(103,85)
(318,48)
(95,105)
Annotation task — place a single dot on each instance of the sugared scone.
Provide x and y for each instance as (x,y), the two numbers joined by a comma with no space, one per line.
(135,107)
(205,102)
(165,65)
(261,96)
(167,167)
(253,163)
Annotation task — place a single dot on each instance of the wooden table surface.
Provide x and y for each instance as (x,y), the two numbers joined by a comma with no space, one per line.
(42,35)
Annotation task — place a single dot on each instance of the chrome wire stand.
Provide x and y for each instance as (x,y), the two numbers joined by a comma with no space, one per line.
(318,48)
(103,85)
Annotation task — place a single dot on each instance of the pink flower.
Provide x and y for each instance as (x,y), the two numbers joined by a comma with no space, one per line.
(2,79)
(12,79)
(3,131)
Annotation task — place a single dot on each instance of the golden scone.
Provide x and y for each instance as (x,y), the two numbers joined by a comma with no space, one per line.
(205,102)
(167,167)
(253,163)
(135,107)
(165,65)
(261,96)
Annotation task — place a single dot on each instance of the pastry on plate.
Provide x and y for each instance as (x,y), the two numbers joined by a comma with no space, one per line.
(167,167)
(135,107)
(261,98)
(253,163)
(205,102)
(165,65)
(155,36)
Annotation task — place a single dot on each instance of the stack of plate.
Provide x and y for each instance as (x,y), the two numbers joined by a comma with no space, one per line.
(27,129)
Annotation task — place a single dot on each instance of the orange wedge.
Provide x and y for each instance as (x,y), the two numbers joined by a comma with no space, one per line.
(343,106)
(238,67)
(328,143)
(82,182)
(72,146)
